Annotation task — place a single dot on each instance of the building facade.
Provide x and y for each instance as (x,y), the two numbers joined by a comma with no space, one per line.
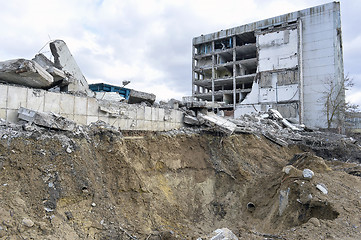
(289,63)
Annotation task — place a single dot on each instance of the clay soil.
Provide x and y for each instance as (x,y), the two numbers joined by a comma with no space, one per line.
(100,185)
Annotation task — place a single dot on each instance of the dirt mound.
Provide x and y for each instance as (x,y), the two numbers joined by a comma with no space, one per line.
(96,184)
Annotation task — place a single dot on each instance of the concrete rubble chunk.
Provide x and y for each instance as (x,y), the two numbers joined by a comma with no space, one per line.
(212,120)
(190,120)
(138,97)
(322,188)
(308,173)
(25,72)
(48,65)
(64,60)
(49,120)
(220,234)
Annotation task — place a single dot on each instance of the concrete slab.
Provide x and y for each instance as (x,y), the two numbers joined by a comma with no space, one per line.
(140,113)
(3,95)
(92,107)
(155,114)
(67,104)
(52,102)
(148,113)
(35,99)
(80,105)
(138,97)
(161,114)
(3,113)
(49,120)
(12,115)
(218,122)
(91,119)
(25,72)
(16,97)
(122,123)
(80,119)
(64,60)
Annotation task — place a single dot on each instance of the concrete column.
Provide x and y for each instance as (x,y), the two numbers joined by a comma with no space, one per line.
(193,66)
(234,73)
(213,71)
(300,69)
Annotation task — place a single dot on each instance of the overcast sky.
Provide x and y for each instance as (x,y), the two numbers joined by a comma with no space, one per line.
(149,41)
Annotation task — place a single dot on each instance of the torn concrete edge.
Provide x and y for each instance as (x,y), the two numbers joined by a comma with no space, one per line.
(138,97)
(25,72)
(212,120)
(49,120)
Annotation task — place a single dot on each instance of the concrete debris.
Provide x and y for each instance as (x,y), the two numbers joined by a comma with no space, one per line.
(307,173)
(48,65)
(25,72)
(138,97)
(64,60)
(49,120)
(322,188)
(283,202)
(191,120)
(220,123)
(220,234)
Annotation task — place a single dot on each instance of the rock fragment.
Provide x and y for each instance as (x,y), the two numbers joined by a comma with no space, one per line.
(27,222)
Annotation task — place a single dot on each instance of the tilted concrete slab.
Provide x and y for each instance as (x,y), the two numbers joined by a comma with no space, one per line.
(50,120)
(64,60)
(25,72)
(138,97)
(220,123)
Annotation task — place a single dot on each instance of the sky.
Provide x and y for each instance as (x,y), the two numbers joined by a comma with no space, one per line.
(149,42)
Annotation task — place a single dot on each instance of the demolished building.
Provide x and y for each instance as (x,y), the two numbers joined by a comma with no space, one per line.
(57,95)
(287,62)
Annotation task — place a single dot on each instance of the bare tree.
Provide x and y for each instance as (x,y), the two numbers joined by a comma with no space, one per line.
(335,105)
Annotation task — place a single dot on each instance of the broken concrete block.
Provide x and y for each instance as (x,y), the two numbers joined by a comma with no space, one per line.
(212,120)
(49,120)
(138,97)
(191,120)
(25,72)
(308,173)
(222,234)
(64,60)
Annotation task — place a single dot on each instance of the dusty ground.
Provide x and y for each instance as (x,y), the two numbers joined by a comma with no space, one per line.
(96,184)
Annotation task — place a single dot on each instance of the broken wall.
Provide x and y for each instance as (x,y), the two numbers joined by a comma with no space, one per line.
(85,110)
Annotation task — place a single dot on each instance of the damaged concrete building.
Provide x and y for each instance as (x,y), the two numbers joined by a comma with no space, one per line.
(285,63)
(57,95)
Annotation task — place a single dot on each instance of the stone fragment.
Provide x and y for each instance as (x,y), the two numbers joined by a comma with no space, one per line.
(315,222)
(27,222)
(308,173)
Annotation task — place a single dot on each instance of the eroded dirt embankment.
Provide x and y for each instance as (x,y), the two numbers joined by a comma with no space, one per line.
(100,185)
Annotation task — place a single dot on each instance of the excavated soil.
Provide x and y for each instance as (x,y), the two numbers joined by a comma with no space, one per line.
(100,185)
